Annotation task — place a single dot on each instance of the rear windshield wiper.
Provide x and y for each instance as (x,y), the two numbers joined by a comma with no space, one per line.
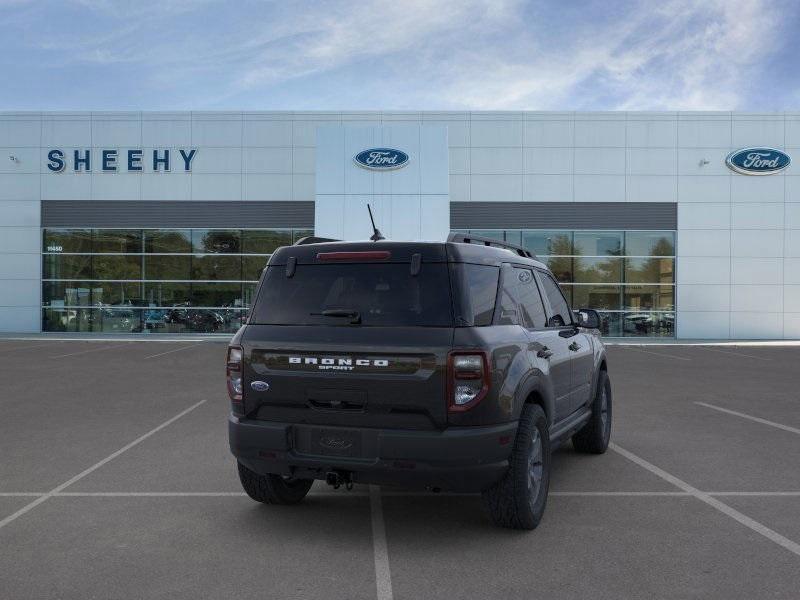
(353,315)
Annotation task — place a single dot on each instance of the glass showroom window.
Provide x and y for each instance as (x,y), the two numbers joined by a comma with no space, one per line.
(627,276)
(153,280)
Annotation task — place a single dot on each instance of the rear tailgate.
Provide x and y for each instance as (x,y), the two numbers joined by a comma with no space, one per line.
(353,334)
(387,377)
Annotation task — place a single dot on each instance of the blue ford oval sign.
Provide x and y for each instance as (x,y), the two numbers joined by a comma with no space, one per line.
(758,161)
(381,159)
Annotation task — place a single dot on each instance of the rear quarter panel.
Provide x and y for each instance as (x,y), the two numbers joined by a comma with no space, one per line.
(509,364)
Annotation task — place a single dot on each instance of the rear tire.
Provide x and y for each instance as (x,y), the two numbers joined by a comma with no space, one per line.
(595,435)
(273,489)
(518,500)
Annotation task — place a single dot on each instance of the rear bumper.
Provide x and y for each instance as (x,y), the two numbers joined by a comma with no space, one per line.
(456,459)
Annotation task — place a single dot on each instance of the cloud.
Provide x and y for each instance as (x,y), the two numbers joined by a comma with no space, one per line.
(684,56)
(445,54)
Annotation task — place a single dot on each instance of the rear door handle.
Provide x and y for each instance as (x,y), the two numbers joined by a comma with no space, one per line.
(574,346)
(544,352)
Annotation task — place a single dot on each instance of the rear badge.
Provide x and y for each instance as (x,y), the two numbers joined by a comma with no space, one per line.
(335,443)
(260,386)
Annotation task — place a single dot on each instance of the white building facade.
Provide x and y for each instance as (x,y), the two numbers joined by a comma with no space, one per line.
(161,222)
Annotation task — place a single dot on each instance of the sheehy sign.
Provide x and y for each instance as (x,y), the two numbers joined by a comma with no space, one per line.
(111,161)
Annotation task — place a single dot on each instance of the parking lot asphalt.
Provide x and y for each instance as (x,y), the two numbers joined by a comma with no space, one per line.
(116,482)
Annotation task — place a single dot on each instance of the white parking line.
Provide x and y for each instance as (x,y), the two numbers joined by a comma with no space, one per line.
(742,354)
(656,353)
(383,576)
(171,351)
(30,506)
(734,514)
(751,418)
(90,350)
(757,494)
(150,494)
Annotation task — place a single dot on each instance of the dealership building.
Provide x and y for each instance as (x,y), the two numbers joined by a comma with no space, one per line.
(671,224)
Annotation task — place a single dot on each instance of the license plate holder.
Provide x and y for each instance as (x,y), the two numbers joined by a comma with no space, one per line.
(335,442)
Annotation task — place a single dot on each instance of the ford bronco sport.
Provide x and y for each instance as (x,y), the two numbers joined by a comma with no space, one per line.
(447,366)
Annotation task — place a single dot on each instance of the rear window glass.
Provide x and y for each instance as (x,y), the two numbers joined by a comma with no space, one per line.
(381,294)
(476,290)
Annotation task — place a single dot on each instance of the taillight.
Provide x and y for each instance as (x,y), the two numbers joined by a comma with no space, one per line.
(467,379)
(233,371)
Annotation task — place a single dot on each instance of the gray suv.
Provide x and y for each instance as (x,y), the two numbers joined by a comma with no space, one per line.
(444,366)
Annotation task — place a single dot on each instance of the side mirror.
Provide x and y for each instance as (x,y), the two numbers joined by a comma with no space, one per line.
(588,318)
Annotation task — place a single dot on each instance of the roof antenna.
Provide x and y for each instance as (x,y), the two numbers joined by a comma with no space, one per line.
(377,235)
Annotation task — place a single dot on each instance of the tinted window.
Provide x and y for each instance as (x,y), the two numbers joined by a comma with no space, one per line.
(600,243)
(560,310)
(547,243)
(649,243)
(168,240)
(530,302)
(382,294)
(475,289)
(117,240)
(509,303)
(216,240)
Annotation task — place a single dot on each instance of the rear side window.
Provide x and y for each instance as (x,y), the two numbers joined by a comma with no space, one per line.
(475,290)
(520,301)
(381,294)
(530,301)
(561,315)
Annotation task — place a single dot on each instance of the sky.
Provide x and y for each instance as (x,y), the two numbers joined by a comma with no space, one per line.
(400,55)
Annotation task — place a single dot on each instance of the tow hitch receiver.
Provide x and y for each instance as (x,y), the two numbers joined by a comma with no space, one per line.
(339,478)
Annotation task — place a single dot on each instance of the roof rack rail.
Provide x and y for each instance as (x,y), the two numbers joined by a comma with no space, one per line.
(310,239)
(467,238)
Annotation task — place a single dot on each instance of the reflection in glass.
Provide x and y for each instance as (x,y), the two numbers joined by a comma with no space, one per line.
(67,240)
(167,294)
(265,241)
(91,293)
(217,267)
(216,294)
(598,270)
(252,267)
(227,241)
(648,324)
(117,240)
(598,243)
(117,266)
(650,243)
(168,267)
(611,324)
(68,266)
(649,297)
(649,270)
(561,266)
(598,297)
(167,240)
(548,243)
(249,293)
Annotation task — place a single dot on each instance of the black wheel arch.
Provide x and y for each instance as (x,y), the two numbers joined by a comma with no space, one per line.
(535,389)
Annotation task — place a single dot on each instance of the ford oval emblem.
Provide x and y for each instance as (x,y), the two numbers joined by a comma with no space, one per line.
(260,386)
(381,159)
(758,161)
(335,443)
